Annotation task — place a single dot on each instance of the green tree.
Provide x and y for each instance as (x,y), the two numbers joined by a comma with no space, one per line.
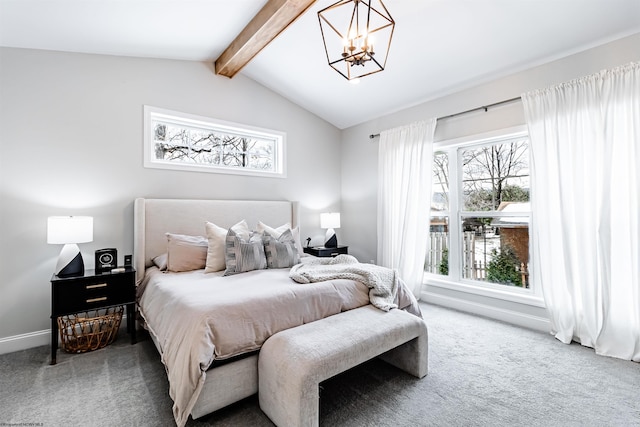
(443,268)
(503,267)
(513,193)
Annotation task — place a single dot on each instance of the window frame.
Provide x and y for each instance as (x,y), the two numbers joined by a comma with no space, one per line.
(454,281)
(194,121)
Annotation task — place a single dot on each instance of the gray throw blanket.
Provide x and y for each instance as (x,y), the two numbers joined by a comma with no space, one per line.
(382,282)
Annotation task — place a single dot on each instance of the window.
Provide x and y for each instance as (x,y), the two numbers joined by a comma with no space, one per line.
(182,141)
(480,213)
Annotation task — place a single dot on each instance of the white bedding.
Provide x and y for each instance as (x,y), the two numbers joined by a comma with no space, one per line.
(197,317)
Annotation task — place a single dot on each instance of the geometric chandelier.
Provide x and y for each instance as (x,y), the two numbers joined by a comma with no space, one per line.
(351,29)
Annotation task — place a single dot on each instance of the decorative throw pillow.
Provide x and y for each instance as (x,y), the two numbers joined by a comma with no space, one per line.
(216,236)
(242,255)
(277,232)
(186,253)
(281,252)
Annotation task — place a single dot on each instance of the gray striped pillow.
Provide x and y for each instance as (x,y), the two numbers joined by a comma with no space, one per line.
(243,255)
(281,252)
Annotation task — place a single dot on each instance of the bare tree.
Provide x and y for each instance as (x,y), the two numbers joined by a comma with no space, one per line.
(441,174)
(208,147)
(488,170)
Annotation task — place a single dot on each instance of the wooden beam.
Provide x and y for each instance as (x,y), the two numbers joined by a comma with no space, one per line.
(272,19)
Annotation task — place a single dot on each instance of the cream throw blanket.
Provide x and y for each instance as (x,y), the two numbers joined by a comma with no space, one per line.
(383,283)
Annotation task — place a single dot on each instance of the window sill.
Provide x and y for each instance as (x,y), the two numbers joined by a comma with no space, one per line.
(520,296)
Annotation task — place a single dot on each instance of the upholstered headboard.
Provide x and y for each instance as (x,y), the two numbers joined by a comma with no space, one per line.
(155,217)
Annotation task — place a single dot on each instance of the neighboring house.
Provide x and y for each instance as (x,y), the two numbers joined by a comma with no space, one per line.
(514,231)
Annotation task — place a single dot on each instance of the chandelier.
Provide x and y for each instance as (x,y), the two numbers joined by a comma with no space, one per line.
(350,31)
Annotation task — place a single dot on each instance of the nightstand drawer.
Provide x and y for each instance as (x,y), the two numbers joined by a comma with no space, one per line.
(72,296)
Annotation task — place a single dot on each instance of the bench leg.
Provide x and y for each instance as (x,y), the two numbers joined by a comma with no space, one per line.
(411,357)
(287,391)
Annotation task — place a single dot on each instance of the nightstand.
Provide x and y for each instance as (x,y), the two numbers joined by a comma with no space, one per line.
(70,295)
(321,251)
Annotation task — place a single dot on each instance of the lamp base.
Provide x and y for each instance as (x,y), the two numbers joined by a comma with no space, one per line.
(70,261)
(330,240)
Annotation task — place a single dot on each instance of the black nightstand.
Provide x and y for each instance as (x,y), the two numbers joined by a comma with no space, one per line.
(70,295)
(321,251)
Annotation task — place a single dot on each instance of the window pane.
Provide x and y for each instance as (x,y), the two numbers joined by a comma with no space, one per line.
(496,249)
(494,174)
(437,261)
(186,142)
(440,183)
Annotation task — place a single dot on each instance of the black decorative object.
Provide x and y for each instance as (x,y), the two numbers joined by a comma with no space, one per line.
(106,259)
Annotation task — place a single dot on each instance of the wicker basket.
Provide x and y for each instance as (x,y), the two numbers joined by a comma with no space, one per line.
(90,330)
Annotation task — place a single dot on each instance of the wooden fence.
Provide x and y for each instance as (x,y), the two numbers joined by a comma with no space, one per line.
(472,269)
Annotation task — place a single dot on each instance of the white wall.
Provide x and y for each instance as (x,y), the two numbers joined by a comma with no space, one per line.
(360,154)
(71,143)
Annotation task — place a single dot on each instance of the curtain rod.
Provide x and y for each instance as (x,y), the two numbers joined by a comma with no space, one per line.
(484,107)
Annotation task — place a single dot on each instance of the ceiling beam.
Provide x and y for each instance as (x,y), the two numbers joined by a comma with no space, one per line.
(272,19)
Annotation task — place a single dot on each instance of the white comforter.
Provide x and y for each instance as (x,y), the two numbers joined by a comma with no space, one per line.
(196,318)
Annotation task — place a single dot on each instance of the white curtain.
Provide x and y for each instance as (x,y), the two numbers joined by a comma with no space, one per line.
(404,188)
(585,147)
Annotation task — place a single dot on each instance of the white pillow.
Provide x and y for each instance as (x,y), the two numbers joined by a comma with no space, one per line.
(277,232)
(215,251)
(216,236)
(263,228)
(161,261)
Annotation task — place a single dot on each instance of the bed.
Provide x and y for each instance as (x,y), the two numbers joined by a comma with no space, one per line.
(208,327)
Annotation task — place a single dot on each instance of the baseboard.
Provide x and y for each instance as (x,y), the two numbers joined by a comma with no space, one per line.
(25,341)
(509,316)
(30,340)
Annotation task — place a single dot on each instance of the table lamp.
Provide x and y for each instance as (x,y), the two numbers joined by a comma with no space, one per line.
(330,221)
(69,231)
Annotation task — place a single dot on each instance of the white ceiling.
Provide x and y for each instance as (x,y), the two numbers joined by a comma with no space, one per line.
(439,46)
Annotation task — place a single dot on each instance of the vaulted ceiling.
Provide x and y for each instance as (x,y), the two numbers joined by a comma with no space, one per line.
(439,46)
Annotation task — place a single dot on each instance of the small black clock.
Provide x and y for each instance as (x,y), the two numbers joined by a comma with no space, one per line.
(106,259)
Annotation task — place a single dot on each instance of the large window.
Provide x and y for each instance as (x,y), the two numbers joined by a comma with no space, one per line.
(480,213)
(182,141)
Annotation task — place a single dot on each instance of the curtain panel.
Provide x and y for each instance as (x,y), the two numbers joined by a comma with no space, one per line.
(404,181)
(585,149)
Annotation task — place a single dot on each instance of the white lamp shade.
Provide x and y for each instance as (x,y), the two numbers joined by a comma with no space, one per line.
(330,220)
(69,229)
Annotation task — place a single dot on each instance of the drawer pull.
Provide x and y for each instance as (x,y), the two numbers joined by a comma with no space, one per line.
(99,285)
(97,299)
(335,253)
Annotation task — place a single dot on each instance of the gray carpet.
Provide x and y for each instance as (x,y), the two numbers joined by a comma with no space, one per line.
(481,373)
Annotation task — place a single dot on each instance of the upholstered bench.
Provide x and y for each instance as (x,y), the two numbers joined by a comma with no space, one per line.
(293,362)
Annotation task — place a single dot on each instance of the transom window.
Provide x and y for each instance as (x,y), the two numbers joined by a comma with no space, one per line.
(480,213)
(175,140)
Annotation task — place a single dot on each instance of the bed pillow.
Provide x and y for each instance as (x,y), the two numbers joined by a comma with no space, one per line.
(244,254)
(186,253)
(160,261)
(277,232)
(216,237)
(215,250)
(281,252)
